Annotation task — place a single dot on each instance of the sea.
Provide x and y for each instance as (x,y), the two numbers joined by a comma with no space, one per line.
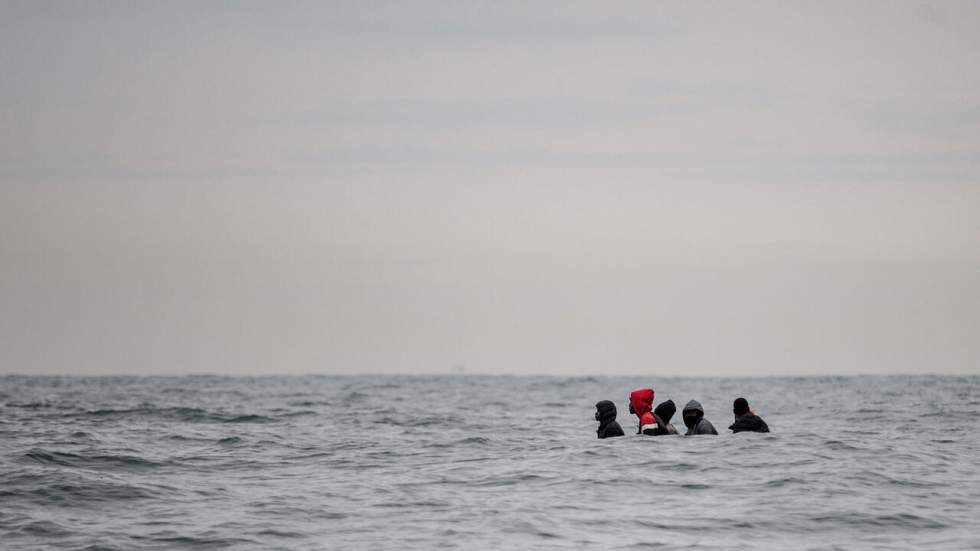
(483,462)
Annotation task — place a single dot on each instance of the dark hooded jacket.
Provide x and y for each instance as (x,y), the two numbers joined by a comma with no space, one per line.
(641,404)
(746,420)
(662,415)
(606,415)
(694,420)
(749,422)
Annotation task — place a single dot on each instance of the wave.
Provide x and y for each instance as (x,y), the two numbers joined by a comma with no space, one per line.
(904,521)
(184,414)
(39,404)
(43,528)
(191,542)
(310,403)
(427,421)
(355,396)
(110,462)
(79,492)
(279,533)
(785,481)
(249,418)
(837,445)
(299,413)
(468,441)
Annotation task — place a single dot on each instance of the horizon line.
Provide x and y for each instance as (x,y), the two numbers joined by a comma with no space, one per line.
(485,375)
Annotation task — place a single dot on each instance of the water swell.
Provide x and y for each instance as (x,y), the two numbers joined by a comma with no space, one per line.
(180,414)
(426,421)
(198,542)
(42,528)
(104,462)
(897,521)
(73,489)
(355,463)
(32,405)
(462,442)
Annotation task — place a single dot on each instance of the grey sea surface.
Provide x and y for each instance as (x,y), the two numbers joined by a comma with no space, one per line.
(471,462)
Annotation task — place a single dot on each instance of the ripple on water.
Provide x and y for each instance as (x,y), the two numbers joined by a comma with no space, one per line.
(462,442)
(85,492)
(898,521)
(486,463)
(103,462)
(180,414)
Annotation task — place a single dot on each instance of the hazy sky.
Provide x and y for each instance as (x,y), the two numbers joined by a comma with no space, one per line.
(666,188)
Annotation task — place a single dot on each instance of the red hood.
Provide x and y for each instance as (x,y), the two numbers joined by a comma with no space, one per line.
(642,401)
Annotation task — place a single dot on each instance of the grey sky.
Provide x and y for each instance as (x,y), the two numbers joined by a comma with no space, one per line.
(663,188)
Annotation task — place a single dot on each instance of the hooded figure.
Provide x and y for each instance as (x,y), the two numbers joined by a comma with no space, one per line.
(605,414)
(662,415)
(745,419)
(694,419)
(641,404)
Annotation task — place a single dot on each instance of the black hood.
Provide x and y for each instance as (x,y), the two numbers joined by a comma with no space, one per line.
(606,410)
(665,411)
(693,412)
(740,407)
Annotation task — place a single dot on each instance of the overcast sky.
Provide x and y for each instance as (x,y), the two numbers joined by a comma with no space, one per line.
(671,188)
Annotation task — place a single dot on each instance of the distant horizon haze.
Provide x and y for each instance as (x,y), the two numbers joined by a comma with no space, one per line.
(548,188)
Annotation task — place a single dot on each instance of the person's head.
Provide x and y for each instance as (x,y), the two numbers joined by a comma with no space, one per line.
(740,407)
(641,401)
(605,411)
(665,410)
(693,412)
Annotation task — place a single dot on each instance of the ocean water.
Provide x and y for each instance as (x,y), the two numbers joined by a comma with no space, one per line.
(471,462)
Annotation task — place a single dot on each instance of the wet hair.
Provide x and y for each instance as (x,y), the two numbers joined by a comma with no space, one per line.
(741,406)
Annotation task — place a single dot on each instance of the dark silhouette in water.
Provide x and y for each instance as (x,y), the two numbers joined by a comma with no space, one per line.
(662,415)
(605,414)
(745,419)
(694,420)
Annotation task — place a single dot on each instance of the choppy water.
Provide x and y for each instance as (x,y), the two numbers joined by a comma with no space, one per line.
(483,463)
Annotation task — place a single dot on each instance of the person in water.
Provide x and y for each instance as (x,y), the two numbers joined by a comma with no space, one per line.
(694,420)
(745,419)
(662,415)
(605,414)
(641,405)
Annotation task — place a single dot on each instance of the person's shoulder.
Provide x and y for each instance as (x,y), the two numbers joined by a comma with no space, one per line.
(760,423)
(610,430)
(705,427)
(741,424)
(749,423)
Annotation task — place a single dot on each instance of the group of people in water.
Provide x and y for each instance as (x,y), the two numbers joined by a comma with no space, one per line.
(655,421)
